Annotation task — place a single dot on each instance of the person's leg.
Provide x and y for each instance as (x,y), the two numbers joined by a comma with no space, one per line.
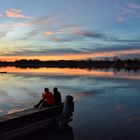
(45,104)
(39,103)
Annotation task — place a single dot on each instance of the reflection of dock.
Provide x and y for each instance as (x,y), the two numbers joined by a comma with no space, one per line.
(3,72)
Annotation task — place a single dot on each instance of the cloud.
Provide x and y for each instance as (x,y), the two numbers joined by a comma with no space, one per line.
(131,9)
(80,51)
(78,34)
(73,56)
(89,34)
(61,39)
(117,40)
(30,34)
(48,33)
(73,34)
(3,34)
(14,24)
(15,13)
(120,19)
(41,52)
(135,6)
(43,21)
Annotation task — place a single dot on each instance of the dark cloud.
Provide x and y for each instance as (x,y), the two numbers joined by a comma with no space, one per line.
(95,48)
(44,52)
(115,47)
(65,38)
(90,34)
(115,39)
(83,35)
(77,36)
(103,36)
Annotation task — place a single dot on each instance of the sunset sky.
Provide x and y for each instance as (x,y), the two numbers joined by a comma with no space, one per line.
(74,29)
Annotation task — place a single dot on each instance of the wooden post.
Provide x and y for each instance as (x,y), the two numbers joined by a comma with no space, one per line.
(68,107)
(67,111)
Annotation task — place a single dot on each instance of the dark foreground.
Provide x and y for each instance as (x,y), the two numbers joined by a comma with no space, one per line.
(51,133)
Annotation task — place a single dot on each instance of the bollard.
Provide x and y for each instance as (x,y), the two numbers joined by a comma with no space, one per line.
(67,113)
(68,107)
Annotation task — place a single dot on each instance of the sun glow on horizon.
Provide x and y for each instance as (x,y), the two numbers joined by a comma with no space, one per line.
(72,56)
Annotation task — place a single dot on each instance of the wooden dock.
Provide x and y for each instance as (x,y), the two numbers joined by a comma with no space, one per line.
(21,123)
(14,126)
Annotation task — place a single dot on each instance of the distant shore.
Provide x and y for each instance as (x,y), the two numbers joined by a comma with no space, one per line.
(127,64)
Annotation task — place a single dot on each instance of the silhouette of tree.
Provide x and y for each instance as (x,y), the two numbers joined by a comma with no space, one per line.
(106,63)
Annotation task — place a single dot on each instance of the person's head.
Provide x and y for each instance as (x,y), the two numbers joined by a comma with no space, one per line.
(46,89)
(55,89)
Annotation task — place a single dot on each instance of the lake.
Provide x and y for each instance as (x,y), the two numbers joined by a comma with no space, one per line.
(107,102)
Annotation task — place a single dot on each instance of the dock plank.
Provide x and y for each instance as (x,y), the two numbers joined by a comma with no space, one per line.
(27,117)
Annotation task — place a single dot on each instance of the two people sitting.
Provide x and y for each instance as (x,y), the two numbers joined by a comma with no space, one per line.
(49,99)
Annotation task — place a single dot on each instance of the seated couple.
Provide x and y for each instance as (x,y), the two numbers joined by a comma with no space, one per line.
(49,99)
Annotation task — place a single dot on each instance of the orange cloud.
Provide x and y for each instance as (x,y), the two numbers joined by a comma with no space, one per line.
(48,33)
(15,13)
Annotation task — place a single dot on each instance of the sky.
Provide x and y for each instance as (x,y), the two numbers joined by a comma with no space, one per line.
(63,29)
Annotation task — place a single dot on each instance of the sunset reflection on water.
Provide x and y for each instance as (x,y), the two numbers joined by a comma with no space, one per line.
(102,98)
(73,71)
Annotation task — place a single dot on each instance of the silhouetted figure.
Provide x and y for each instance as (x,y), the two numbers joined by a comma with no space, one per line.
(47,99)
(57,96)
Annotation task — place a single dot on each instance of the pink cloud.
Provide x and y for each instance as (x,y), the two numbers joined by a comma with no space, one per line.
(15,13)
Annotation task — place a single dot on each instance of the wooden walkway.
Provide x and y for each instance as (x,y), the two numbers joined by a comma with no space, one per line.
(14,126)
(26,121)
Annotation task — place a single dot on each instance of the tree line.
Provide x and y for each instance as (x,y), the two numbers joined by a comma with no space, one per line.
(115,63)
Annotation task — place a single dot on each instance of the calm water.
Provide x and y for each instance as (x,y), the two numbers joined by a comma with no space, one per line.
(107,103)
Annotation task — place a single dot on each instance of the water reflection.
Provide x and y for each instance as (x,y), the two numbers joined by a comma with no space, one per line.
(75,72)
(23,90)
(106,103)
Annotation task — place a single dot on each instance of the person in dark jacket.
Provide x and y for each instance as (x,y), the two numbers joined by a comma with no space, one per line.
(57,96)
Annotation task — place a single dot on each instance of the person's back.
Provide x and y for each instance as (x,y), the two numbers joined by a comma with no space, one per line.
(48,96)
(47,99)
(57,96)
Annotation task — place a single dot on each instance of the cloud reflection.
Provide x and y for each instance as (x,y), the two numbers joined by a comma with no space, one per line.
(14,110)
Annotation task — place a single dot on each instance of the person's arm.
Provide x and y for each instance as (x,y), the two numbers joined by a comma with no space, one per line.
(43,95)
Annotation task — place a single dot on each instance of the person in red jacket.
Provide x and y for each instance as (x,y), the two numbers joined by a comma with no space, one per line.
(47,99)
